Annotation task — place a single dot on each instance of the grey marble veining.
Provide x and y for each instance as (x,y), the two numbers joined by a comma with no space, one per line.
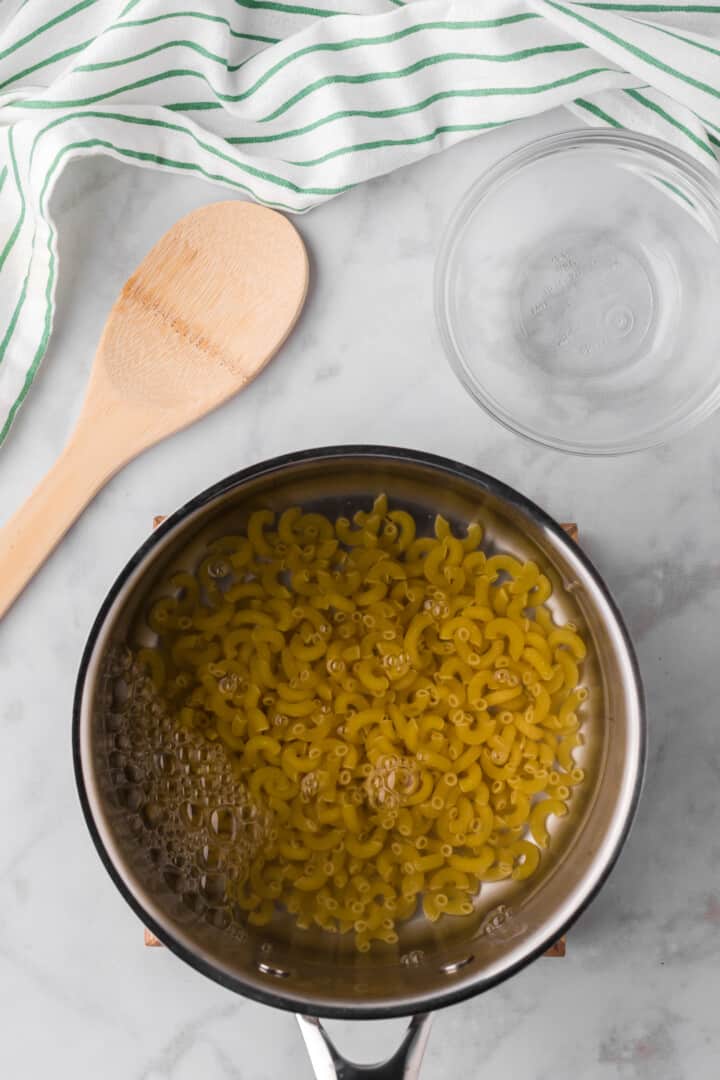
(636,997)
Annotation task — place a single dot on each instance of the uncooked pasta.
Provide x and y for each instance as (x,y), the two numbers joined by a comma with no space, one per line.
(402,710)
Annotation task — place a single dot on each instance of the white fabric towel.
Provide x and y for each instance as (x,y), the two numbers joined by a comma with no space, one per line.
(294,103)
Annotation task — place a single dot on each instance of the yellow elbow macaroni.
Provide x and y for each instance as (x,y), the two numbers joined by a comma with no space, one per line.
(402,710)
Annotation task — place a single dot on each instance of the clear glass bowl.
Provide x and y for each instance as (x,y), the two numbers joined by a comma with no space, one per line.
(577,292)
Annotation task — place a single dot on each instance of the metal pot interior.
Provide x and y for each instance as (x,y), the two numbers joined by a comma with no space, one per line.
(433,964)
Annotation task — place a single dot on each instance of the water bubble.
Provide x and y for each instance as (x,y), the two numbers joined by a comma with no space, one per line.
(218,917)
(228,684)
(222,823)
(309,786)
(136,827)
(193,902)
(412,958)
(248,812)
(173,879)
(193,815)
(218,569)
(152,815)
(213,888)
(388,781)
(211,858)
(132,797)
(500,923)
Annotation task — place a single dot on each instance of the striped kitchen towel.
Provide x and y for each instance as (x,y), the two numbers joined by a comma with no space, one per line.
(294,103)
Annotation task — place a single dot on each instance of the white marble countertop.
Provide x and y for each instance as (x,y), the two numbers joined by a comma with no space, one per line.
(636,996)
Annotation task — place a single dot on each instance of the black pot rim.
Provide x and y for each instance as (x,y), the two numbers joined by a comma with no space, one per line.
(483,482)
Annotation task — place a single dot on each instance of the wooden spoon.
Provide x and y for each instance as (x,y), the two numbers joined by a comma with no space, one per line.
(205,311)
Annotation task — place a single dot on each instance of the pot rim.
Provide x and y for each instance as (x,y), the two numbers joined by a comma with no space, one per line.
(484,482)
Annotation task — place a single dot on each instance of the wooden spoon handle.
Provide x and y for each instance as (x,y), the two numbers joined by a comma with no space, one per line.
(39,525)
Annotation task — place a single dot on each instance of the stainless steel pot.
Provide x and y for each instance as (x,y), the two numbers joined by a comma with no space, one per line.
(434,964)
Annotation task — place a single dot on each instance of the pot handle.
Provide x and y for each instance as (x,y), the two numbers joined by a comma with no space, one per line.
(328,1064)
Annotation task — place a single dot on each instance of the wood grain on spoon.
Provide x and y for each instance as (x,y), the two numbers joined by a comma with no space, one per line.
(198,320)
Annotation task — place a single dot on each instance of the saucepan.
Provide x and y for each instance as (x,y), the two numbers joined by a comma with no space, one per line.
(124,746)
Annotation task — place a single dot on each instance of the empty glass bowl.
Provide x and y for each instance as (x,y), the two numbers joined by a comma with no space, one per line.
(578,289)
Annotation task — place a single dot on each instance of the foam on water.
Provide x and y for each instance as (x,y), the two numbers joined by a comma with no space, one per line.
(196,821)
